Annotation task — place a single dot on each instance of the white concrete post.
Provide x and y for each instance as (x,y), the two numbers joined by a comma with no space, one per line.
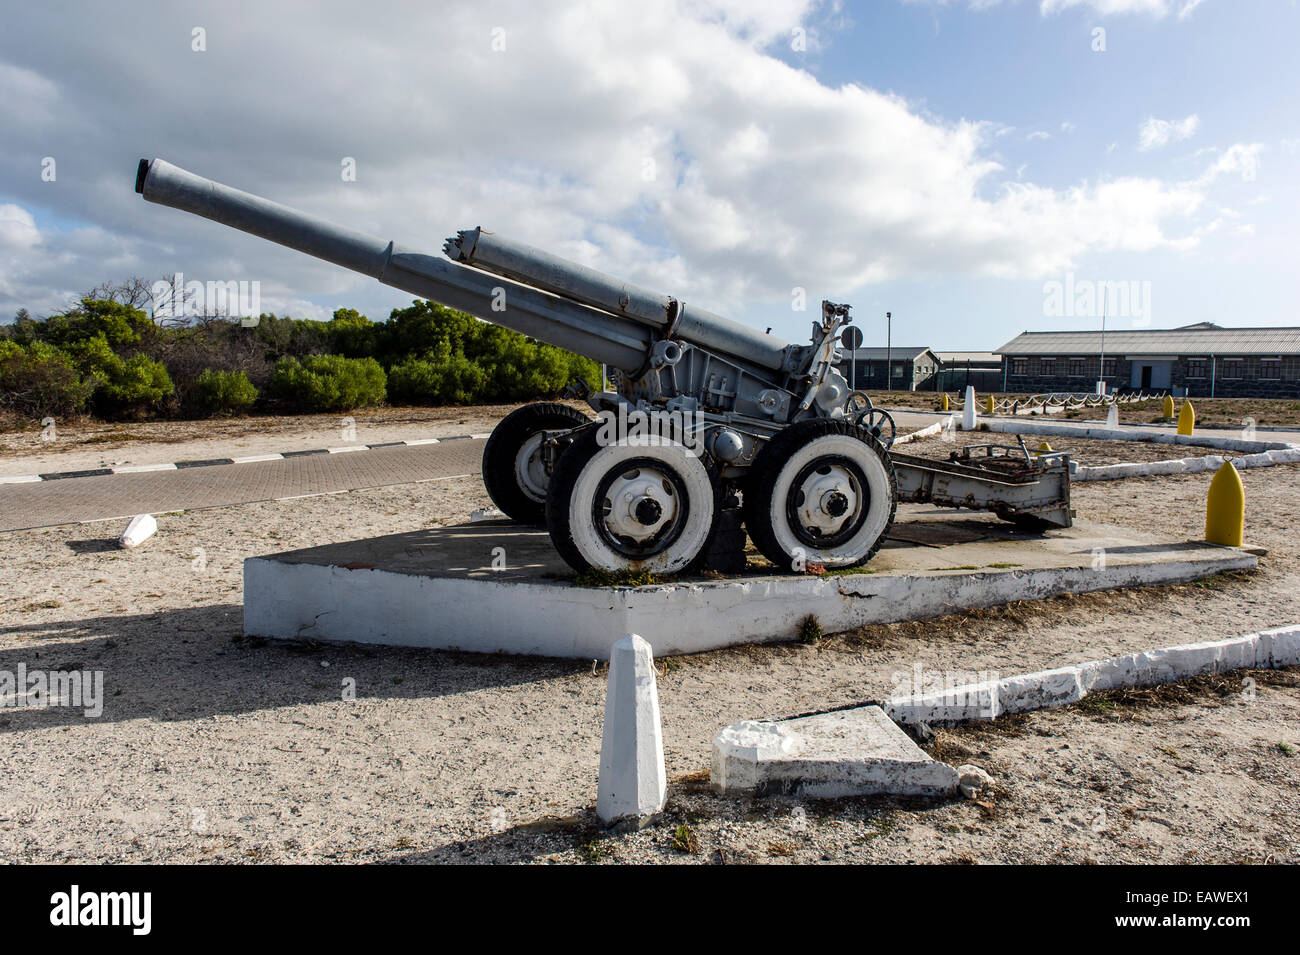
(968,415)
(633,784)
(1112,416)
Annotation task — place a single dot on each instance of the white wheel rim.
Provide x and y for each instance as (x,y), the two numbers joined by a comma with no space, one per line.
(876,497)
(694,514)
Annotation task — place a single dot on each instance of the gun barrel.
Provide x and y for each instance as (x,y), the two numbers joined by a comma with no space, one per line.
(614,340)
(541,269)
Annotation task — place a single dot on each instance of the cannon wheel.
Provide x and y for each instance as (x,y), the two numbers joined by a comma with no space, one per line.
(513,472)
(820,492)
(641,505)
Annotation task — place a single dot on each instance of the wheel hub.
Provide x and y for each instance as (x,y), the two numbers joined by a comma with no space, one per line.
(827,499)
(639,504)
(530,468)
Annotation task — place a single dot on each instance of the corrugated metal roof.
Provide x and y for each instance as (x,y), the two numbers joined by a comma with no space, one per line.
(974,357)
(1159,341)
(899,353)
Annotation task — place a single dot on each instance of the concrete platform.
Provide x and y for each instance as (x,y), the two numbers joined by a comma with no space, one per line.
(438,588)
(857,752)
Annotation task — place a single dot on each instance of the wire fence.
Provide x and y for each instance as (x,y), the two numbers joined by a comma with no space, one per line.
(1057,401)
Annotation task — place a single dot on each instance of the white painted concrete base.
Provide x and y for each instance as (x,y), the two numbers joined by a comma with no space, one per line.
(858,752)
(633,784)
(437,589)
(1065,685)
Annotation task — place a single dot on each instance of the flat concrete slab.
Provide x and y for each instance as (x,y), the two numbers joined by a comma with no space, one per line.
(495,587)
(857,752)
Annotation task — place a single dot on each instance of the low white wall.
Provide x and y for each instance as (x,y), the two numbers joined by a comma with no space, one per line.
(1102,433)
(1044,689)
(1209,462)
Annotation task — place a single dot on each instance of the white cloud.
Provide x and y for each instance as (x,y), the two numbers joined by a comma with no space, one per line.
(1152,8)
(1156,133)
(763,177)
(18,232)
(1241,159)
(1157,8)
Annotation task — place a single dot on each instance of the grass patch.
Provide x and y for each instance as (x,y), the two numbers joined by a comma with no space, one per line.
(1003,566)
(685,840)
(594,850)
(962,567)
(882,825)
(846,571)
(810,630)
(595,577)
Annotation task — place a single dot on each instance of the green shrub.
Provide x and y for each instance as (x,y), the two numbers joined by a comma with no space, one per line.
(329,382)
(225,392)
(131,385)
(41,381)
(437,381)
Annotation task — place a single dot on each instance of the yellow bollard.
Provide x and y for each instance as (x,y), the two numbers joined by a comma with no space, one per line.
(1225,508)
(1169,407)
(989,406)
(945,403)
(1187,419)
(1044,446)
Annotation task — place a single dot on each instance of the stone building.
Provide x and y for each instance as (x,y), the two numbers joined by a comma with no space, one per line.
(1202,360)
(913,368)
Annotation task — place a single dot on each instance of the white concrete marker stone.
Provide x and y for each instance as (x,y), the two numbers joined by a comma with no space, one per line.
(968,415)
(857,752)
(1112,416)
(139,530)
(633,782)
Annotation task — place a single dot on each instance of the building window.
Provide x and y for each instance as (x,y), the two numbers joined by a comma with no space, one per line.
(1048,366)
(1107,367)
(1270,368)
(1077,368)
(1020,366)
(898,371)
(1232,368)
(1196,368)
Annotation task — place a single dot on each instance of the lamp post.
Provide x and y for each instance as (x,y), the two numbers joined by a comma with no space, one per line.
(889,351)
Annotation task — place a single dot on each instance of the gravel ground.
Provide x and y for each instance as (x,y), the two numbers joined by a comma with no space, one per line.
(216,748)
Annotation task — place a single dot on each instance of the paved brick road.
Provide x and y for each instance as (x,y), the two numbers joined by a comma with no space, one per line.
(69,500)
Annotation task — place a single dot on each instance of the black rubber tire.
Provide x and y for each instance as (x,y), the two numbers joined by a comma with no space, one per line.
(761,485)
(565,478)
(503,446)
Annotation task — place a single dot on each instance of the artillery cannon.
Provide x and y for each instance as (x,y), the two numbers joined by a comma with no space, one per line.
(709,417)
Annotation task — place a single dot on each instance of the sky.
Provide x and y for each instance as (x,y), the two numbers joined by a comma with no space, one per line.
(966,165)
